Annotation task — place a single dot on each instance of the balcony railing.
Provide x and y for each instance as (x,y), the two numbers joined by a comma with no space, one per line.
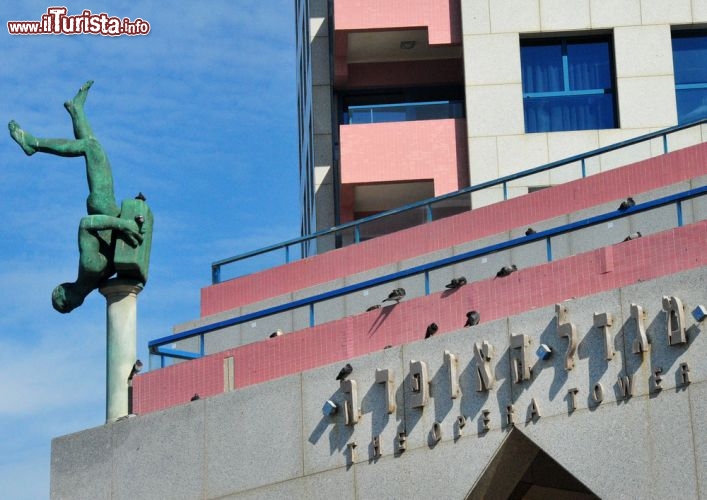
(405,112)
(164,347)
(432,208)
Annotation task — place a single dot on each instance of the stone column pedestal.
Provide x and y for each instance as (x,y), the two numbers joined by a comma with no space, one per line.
(121,340)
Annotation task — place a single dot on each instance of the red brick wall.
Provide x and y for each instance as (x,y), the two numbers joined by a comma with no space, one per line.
(585,274)
(492,219)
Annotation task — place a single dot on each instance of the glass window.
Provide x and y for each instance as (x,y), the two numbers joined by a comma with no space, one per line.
(568,84)
(690,64)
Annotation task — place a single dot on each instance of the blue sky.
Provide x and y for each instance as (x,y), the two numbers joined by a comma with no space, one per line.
(200,116)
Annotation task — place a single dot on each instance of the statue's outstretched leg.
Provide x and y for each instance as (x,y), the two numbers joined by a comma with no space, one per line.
(62,147)
(82,130)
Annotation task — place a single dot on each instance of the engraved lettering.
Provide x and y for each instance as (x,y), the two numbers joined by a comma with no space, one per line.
(485,420)
(402,442)
(436,432)
(510,415)
(572,399)
(625,384)
(657,379)
(684,374)
(376,445)
(534,409)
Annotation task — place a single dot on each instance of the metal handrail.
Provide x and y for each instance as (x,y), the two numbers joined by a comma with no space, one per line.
(427,203)
(156,346)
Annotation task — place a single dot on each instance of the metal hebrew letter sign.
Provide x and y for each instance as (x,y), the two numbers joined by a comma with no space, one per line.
(676,320)
(569,331)
(484,373)
(420,384)
(453,363)
(386,377)
(640,344)
(602,321)
(351,410)
(521,364)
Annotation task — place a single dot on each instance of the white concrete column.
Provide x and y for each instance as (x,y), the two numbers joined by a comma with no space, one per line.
(121,340)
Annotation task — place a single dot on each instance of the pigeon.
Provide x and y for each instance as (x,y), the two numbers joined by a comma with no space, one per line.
(276,333)
(195,397)
(633,236)
(431,330)
(472,318)
(140,196)
(530,231)
(373,308)
(388,346)
(345,372)
(506,271)
(456,283)
(396,295)
(626,204)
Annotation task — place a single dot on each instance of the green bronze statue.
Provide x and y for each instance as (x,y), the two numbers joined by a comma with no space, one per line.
(112,239)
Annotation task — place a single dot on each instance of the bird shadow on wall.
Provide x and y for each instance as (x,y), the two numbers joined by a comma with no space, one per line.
(380,319)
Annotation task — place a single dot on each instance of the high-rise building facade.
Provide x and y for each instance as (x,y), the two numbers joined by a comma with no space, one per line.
(535,331)
(413,99)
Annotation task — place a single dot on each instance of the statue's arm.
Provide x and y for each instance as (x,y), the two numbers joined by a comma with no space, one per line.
(127,227)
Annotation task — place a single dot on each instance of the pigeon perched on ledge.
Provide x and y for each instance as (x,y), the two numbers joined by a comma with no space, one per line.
(456,283)
(626,204)
(472,318)
(431,330)
(396,295)
(506,271)
(344,372)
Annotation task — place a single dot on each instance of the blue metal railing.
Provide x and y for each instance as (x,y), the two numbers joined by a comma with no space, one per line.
(428,206)
(157,346)
(409,111)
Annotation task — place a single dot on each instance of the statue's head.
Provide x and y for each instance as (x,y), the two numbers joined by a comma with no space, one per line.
(66,298)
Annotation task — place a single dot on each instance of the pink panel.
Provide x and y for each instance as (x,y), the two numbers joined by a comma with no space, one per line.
(405,151)
(485,221)
(442,18)
(585,274)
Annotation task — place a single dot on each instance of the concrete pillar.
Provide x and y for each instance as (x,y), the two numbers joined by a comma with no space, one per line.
(121,340)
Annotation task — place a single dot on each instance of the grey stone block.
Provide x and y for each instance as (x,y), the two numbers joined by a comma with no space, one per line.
(447,471)
(338,483)
(253,437)
(698,408)
(642,449)
(171,442)
(81,465)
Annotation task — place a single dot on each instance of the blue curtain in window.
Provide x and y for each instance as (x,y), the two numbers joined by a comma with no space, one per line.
(690,64)
(564,85)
